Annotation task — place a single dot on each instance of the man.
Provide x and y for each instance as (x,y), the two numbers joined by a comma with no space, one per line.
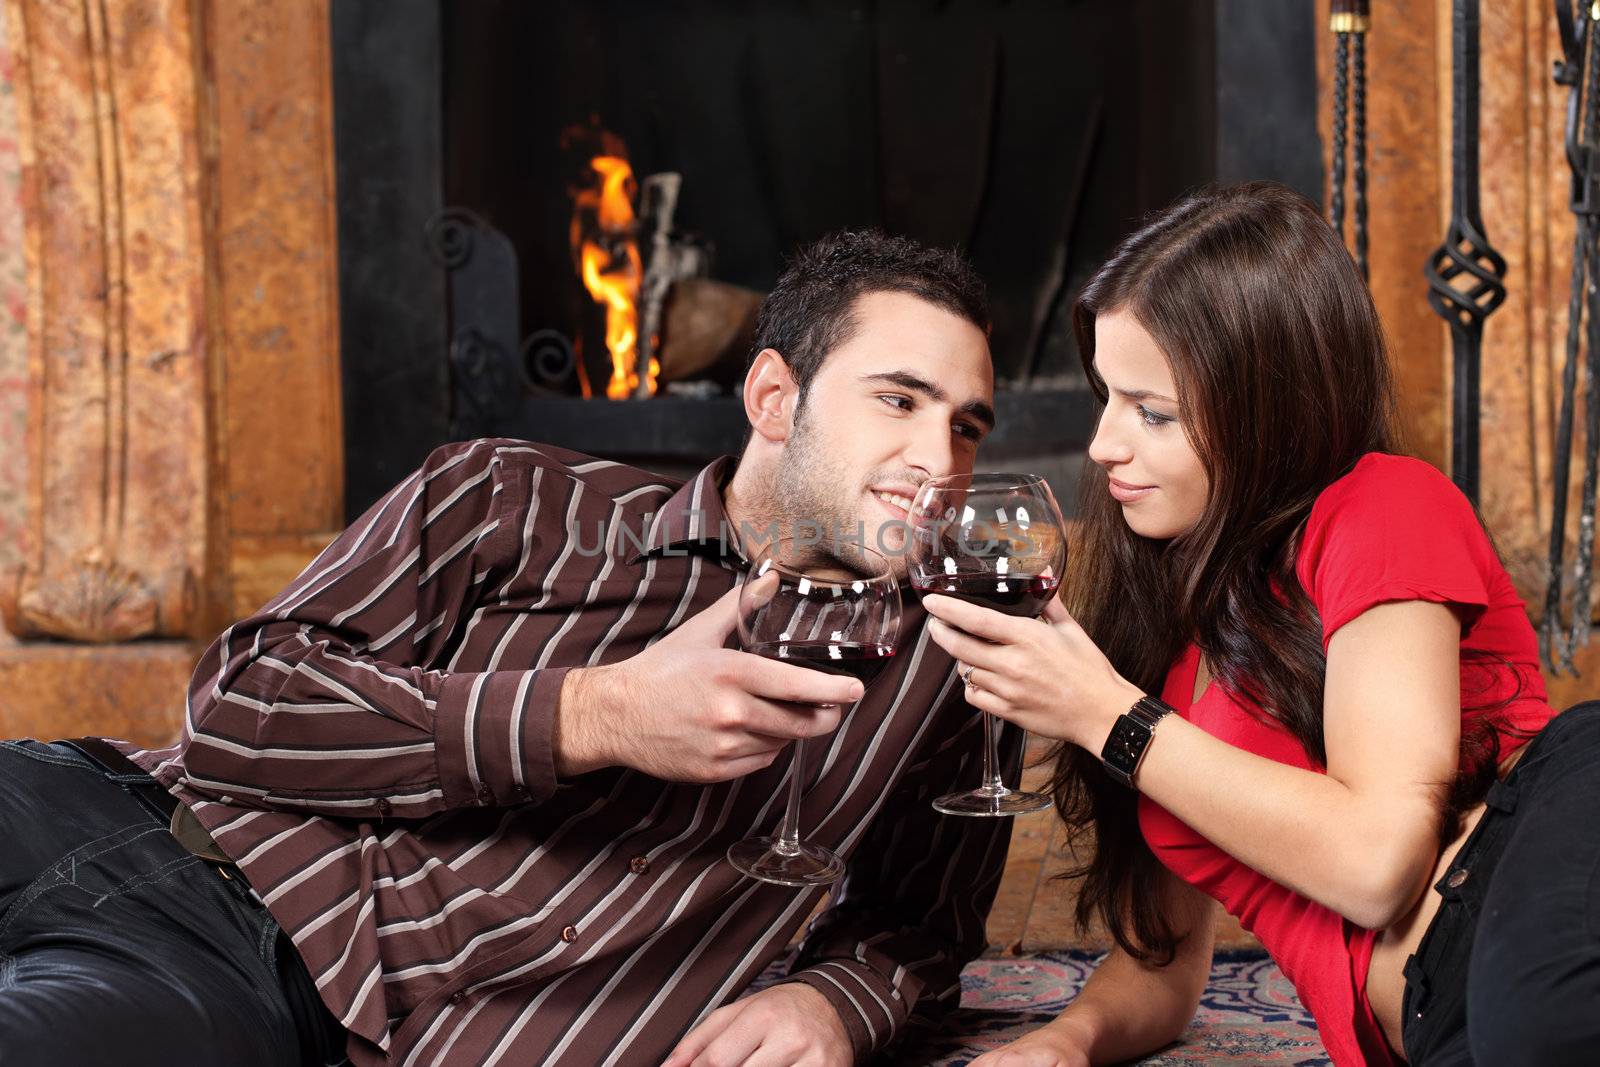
(482,760)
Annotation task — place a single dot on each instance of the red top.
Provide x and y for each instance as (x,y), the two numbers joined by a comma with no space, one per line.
(1392,529)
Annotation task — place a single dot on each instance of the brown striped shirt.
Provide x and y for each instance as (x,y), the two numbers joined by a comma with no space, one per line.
(373,748)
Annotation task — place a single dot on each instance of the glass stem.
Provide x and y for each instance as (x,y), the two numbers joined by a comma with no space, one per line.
(992,785)
(789,837)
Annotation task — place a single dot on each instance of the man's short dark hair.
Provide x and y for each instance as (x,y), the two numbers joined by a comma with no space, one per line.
(810,312)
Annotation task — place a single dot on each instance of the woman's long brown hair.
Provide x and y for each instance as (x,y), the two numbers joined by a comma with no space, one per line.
(1283,384)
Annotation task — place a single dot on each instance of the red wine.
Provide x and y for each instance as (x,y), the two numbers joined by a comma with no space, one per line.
(1024,596)
(834,657)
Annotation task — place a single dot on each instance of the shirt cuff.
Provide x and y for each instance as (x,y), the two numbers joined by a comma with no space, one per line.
(871,1009)
(494,736)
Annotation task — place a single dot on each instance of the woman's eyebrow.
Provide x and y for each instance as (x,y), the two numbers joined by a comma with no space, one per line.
(1142,394)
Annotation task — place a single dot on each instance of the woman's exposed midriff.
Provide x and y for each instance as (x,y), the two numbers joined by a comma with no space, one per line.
(1386,981)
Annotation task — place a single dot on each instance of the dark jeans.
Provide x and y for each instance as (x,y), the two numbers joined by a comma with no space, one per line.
(1508,972)
(119,947)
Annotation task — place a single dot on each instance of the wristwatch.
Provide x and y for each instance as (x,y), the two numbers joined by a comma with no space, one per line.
(1125,746)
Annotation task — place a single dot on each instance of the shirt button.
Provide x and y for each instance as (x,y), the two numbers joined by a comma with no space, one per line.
(570,934)
(1457,878)
(458,997)
(639,865)
(383,807)
(485,794)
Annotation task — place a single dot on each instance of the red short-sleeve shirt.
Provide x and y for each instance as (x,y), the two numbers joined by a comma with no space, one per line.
(1392,529)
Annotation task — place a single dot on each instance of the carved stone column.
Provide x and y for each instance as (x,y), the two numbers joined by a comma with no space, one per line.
(185,447)
(117,321)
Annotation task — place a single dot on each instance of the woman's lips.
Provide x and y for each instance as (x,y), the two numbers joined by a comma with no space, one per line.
(1126,493)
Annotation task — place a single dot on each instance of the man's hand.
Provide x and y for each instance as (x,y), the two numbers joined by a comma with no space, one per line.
(789,1025)
(688,710)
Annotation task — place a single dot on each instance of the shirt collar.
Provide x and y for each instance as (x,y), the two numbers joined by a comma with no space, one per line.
(695,518)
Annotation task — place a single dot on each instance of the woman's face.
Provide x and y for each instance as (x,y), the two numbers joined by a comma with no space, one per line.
(1154,471)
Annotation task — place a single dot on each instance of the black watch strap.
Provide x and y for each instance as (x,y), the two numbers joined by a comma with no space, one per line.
(1130,736)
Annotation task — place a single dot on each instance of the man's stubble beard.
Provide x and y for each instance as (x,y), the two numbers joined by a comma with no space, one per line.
(806,500)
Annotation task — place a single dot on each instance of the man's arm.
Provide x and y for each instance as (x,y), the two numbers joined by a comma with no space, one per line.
(337,698)
(318,702)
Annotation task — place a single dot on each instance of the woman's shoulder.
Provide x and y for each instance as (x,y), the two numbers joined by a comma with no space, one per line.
(1402,495)
(1383,479)
(1393,528)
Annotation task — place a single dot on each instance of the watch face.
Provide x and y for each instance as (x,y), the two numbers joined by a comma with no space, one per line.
(1127,740)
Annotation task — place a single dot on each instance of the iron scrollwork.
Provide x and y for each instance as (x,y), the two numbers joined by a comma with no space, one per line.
(490,371)
(1465,274)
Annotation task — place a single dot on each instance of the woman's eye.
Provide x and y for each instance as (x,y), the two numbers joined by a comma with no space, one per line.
(1152,418)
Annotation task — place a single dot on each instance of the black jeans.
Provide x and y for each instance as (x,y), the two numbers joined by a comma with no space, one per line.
(119,947)
(1508,972)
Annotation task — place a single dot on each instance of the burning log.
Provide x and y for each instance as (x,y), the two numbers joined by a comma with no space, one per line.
(707,331)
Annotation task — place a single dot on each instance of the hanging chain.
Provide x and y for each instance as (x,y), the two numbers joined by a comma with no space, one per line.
(1358,147)
(1349,20)
(1579,70)
(1341,94)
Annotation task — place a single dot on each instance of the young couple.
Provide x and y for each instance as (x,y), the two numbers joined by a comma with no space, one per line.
(461,794)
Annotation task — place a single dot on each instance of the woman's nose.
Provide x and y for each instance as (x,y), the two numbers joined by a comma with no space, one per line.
(1106,446)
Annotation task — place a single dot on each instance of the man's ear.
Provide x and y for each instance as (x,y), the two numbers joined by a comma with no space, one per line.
(769,395)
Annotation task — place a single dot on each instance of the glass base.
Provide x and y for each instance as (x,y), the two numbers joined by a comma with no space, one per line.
(760,857)
(981,802)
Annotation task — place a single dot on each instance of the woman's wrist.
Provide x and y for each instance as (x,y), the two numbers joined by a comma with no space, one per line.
(1108,709)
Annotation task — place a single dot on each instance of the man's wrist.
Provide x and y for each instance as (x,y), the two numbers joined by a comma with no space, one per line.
(577,747)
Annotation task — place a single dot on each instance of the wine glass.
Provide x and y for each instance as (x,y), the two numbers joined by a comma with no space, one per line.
(997,540)
(833,607)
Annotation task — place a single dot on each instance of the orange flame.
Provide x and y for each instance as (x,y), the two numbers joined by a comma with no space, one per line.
(612,271)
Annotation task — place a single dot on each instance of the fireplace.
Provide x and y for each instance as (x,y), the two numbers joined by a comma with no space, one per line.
(1033,134)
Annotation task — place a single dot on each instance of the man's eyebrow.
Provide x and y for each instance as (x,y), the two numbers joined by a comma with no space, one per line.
(914,383)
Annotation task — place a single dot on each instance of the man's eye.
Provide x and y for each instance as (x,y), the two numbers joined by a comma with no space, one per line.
(1152,418)
(895,400)
(969,431)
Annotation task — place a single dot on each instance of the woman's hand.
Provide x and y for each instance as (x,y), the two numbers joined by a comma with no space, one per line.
(1046,1047)
(1045,674)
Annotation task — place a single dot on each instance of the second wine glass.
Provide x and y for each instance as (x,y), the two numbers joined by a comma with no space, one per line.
(997,540)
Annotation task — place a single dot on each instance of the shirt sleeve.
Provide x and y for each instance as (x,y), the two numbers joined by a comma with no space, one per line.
(1394,529)
(912,909)
(327,699)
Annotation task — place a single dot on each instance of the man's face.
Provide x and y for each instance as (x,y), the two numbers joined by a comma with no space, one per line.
(908,397)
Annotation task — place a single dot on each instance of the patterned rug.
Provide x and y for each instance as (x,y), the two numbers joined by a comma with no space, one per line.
(1248,1016)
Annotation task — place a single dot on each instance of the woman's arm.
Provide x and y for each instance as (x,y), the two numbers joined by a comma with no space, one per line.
(1360,839)
(1128,1009)
(1363,838)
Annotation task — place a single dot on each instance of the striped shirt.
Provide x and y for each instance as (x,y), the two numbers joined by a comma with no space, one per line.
(373,749)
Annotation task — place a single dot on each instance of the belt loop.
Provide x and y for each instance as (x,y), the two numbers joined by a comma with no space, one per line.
(1416,979)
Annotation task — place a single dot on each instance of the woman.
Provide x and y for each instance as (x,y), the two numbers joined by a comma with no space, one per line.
(1351,669)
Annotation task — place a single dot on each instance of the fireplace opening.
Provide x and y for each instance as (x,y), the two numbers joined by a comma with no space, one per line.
(557,219)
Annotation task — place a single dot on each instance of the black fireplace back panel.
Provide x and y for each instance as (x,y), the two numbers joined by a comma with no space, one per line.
(1031,133)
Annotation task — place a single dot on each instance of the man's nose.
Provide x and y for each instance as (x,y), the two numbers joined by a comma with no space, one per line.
(932,449)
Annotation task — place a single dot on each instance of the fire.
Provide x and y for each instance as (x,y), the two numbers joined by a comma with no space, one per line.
(608,254)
